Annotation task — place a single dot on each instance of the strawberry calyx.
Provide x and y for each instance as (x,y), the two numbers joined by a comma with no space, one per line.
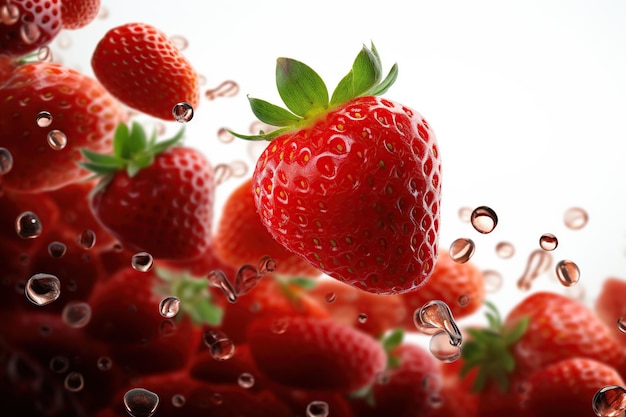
(306,96)
(132,151)
(489,350)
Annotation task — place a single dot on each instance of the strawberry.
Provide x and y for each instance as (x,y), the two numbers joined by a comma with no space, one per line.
(154,197)
(7,66)
(140,66)
(81,110)
(242,239)
(78,13)
(29,25)
(610,306)
(351,183)
(460,286)
(315,354)
(567,388)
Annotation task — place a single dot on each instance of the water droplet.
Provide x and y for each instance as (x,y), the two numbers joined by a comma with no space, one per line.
(6,161)
(442,348)
(29,32)
(104,363)
(74,382)
(493,280)
(280,326)
(28,226)
(621,324)
(179,42)
(266,265)
(461,250)
(246,279)
(317,409)
(87,239)
(103,13)
(76,314)
(42,289)
(169,307)
(216,398)
(538,262)
(59,364)
(465,214)
(567,272)
(9,14)
(57,249)
(44,54)
(43,119)
(548,241)
(140,402)
(222,348)
(167,327)
(609,401)
(575,218)
(63,40)
(246,380)
(217,279)
(178,400)
(224,136)
(436,314)
(330,297)
(484,219)
(227,88)
(182,112)
(221,173)
(505,250)
(464,300)
(142,261)
(362,318)
(57,139)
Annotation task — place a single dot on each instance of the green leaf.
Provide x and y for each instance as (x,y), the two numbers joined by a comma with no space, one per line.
(102,159)
(263,136)
(301,88)
(205,312)
(119,141)
(303,283)
(382,88)
(366,72)
(393,339)
(517,332)
(98,169)
(168,143)
(137,140)
(272,114)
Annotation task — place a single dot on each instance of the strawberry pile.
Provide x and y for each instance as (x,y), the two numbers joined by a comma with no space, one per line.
(119,297)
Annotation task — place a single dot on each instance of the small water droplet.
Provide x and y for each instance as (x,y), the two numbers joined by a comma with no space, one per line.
(140,402)
(76,314)
(621,324)
(464,300)
(44,54)
(465,214)
(505,250)
(224,136)
(246,279)
(74,382)
(42,289)
(317,409)
(6,161)
(221,173)
(167,327)
(28,226)
(567,272)
(57,249)
(267,265)
(442,349)
(330,297)
(575,218)
(9,14)
(182,112)
(103,13)
(538,262)
(484,219)
(548,241)
(43,119)
(142,261)
(63,40)
(609,401)
(227,88)
(436,314)
(169,307)
(362,318)
(280,326)
(246,380)
(217,279)
(493,280)
(59,364)
(87,239)
(57,139)
(221,347)
(178,400)
(104,363)
(179,42)
(216,398)
(461,250)
(29,32)
(238,169)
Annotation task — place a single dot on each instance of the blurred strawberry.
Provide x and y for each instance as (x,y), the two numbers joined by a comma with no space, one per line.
(610,307)
(78,13)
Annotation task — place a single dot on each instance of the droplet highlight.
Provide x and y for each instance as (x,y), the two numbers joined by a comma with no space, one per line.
(169,307)
(317,409)
(567,273)
(57,140)
(87,239)
(42,289)
(442,348)
(548,242)
(43,119)
(182,112)
(228,88)
(484,219)
(217,279)
(609,401)
(74,382)
(505,250)
(436,314)
(76,314)
(267,265)
(57,249)
(246,279)
(142,261)
(6,161)
(538,262)
(246,380)
(221,347)
(140,402)
(28,225)
(462,250)
(575,218)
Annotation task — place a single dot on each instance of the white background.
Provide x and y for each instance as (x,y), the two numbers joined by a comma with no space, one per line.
(528,100)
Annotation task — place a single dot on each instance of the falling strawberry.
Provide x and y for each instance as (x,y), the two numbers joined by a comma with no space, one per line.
(27,25)
(351,183)
(140,66)
(78,13)
(154,196)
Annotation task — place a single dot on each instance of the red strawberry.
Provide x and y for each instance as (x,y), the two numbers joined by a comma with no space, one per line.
(352,184)
(78,13)
(81,111)
(154,197)
(7,66)
(567,388)
(242,239)
(315,354)
(28,24)
(611,307)
(460,286)
(140,66)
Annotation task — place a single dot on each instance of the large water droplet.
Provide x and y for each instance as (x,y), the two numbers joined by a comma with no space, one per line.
(217,279)
(266,265)
(246,279)
(621,324)
(484,219)
(169,307)
(140,402)
(548,242)
(436,314)
(57,249)
(87,239)
(442,349)
(575,218)
(29,32)
(9,14)
(609,401)
(57,139)
(42,289)
(567,272)
(6,161)
(461,250)
(221,347)
(28,225)
(538,262)
(317,409)
(44,54)
(246,380)
(505,250)
(74,382)
(142,261)
(227,88)
(43,119)
(182,112)
(76,314)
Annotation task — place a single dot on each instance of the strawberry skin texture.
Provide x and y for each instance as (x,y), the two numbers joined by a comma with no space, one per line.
(140,66)
(78,13)
(357,194)
(41,18)
(166,209)
(80,107)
